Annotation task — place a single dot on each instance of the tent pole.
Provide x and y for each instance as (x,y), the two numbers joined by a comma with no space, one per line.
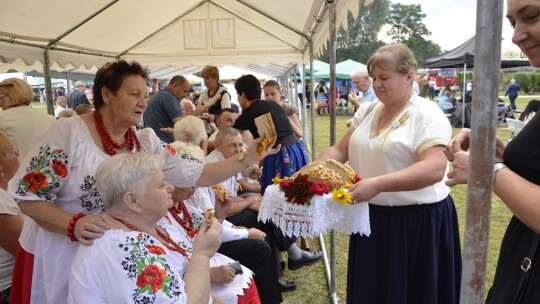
(482,151)
(332,106)
(307,133)
(464,92)
(48,83)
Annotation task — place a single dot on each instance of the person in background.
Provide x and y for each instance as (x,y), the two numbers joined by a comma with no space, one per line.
(83,109)
(530,111)
(66,211)
(321,93)
(300,91)
(432,83)
(21,124)
(512,92)
(396,146)
(272,92)
(452,99)
(164,107)
(67,113)
(444,98)
(140,258)
(423,83)
(362,81)
(214,97)
(516,180)
(225,119)
(78,95)
(61,101)
(11,219)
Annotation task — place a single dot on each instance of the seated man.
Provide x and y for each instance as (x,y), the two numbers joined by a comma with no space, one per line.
(504,111)
(244,211)
(225,119)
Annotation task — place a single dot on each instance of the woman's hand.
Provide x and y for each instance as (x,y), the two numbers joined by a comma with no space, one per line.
(222,207)
(364,190)
(223,274)
(460,169)
(89,227)
(208,239)
(256,234)
(460,142)
(254,172)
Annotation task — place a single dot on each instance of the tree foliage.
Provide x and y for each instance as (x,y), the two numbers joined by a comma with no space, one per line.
(360,40)
(406,22)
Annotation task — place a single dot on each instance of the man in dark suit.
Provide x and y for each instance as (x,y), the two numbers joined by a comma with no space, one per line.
(78,95)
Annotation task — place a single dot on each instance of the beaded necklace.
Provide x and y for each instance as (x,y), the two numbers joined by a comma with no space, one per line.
(169,243)
(108,143)
(187,221)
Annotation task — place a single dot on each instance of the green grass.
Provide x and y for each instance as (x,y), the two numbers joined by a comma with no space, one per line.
(311,281)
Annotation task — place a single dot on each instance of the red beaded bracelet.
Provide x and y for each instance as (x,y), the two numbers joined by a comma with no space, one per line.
(71,226)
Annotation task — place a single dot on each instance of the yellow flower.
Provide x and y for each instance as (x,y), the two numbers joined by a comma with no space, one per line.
(264,144)
(276,180)
(347,185)
(341,195)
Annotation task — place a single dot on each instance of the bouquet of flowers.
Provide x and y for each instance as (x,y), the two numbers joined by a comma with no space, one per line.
(306,204)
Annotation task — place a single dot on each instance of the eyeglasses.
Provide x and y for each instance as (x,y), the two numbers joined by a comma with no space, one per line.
(15,150)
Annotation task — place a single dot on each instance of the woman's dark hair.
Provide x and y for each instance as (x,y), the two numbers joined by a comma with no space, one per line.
(112,74)
(532,106)
(248,85)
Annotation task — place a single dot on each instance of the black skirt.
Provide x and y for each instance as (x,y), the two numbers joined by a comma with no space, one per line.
(413,255)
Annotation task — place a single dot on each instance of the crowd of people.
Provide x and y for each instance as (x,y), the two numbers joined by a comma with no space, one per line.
(101,208)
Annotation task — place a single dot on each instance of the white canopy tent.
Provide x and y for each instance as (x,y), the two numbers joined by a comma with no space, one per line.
(189,34)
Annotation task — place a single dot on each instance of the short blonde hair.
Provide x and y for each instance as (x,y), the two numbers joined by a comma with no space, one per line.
(67,113)
(18,90)
(395,57)
(190,129)
(210,71)
(5,146)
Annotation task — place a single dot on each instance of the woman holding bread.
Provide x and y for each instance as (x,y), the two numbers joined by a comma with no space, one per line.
(396,145)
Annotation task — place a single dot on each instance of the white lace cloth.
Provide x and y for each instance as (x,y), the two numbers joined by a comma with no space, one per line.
(321,215)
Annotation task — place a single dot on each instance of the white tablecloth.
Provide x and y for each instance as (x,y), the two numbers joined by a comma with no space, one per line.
(321,215)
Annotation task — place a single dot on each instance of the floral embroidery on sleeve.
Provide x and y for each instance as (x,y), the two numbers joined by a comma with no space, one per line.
(181,154)
(44,173)
(148,268)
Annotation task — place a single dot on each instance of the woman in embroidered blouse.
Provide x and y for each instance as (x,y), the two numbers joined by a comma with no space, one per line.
(213,98)
(140,259)
(516,181)
(11,219)
(396,145)
(58,180)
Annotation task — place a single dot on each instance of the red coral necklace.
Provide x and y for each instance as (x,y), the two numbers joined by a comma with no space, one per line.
(186,222)
(169,243)
(108,143)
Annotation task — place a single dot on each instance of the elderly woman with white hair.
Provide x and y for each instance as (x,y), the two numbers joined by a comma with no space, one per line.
(141,259)
(244,245)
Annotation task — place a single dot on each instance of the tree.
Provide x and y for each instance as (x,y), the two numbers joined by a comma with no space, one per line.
(360,40)
(406,22)
(422,49)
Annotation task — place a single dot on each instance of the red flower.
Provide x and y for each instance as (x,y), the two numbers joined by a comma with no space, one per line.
(320,188)
(171,150)
(357,179)
(59,168)
(139,236)
(155,249)
(37,180)
(284,184)
(153,276)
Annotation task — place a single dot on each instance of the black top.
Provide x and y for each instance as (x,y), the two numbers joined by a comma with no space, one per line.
(285,132)
(522,155)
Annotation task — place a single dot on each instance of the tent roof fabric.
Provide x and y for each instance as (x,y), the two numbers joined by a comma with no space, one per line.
(464,53)
(343,70)
(187,34)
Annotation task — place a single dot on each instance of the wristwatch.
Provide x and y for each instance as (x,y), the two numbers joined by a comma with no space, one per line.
(242,159)
(496,167)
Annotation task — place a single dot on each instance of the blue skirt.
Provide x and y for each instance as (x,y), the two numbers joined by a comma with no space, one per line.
(412,256)
(285,163)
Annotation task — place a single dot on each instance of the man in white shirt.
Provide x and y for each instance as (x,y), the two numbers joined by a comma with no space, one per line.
(225,119)
(362,82)
(62,103)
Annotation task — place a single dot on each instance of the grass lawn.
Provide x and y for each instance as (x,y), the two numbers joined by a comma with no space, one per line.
(311,281)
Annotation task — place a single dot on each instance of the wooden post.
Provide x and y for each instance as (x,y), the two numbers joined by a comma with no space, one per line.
(482,152)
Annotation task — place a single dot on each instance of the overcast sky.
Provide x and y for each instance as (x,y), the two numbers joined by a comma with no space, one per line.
(453,22)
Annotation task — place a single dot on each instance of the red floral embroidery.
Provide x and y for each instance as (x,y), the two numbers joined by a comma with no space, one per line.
(155,249)
(171,150)
(36,181)
(152,275)
(59,168)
